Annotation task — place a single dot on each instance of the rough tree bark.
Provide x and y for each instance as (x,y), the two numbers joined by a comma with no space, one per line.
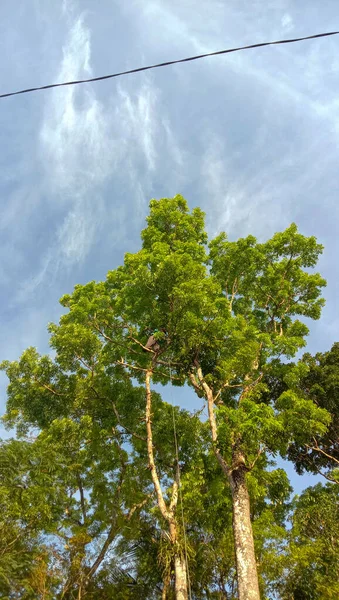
(247,575)
(166,584)
(180,578)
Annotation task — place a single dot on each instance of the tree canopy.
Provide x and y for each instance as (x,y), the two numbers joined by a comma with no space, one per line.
(190,507)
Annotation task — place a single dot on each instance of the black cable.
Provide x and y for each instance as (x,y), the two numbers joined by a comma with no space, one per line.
(170,62)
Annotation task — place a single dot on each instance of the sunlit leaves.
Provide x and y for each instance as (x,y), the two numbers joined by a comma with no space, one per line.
(311,564)
(230,312)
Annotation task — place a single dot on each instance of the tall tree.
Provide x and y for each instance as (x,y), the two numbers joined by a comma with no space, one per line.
(221,321)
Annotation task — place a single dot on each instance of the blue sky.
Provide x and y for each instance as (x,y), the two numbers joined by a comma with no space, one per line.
(251,138)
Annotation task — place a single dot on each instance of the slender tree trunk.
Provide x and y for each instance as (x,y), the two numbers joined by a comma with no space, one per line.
(181,591)
(181,588)
(247,576)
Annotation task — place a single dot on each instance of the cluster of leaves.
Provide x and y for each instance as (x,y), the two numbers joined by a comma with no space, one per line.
(230,307)
(321,385)
(311,559)
(81,482)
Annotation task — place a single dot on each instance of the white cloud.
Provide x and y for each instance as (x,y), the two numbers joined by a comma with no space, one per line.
(78,231)
(136,115)
(287,22)
(254,201)
(75,134)
(77,155)
(127,139)
(84,144)
(174,148)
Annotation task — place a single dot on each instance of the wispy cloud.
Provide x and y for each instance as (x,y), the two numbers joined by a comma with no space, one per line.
(76,146)
(136,115)
(76,157)
(84,145)
(252,138)
(287,22)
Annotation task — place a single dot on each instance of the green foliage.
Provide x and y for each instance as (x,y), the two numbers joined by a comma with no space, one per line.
(312,560)
(233,311)
(31,501)
(320,384)
(226,316)
(75,483)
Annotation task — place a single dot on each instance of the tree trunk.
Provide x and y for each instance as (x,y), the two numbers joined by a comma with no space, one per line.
(181,592)
(180,574)
(168,513)
(166,585)
(247,576)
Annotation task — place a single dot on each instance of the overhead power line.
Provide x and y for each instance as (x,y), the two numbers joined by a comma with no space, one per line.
(167,64)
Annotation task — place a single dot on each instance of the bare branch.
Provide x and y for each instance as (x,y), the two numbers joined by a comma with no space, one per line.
(136,435)
(125,364)
(234,292)
(154,362)
(328,477)
(104,335)
(156,483)
(135,507)
(260,451)
(212,420)
(227,385)
(248,387)
(109,539)
(83,362)
(141,345)
(47,387)
(317,448)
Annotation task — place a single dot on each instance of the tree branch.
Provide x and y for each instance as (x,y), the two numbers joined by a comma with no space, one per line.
(82,499)
(213,423)
(175,490)
(136,435)
(135,507)
(234,292)
(156,483)
(83,362)
(317,448)
(141,345)
(47,387)
(194,382)
(328,477)
(260,451)
(109,539)
(125,364)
